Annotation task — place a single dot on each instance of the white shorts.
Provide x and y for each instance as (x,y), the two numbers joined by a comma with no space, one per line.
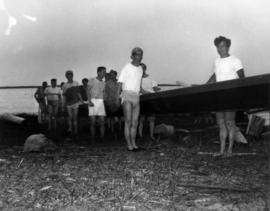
(98,109)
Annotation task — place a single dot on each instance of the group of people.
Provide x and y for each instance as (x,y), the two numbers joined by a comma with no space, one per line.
(101,97)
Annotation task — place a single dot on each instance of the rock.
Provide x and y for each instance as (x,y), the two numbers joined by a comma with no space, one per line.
(38,143)
(164,129)
(216,206)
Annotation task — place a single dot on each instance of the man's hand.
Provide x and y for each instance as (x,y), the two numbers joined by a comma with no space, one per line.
(91,104)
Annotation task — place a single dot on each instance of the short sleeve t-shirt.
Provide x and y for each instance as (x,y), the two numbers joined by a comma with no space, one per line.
(226,68)
(148,85)
(53,93)
(131,77)
(71,91)
(96,88)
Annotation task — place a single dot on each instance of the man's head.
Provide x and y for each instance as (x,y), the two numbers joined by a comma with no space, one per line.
(113,74)
(136,55)
(69,74)
(53,82)
(84,81)
(101,71)
(223,45)
(44,84)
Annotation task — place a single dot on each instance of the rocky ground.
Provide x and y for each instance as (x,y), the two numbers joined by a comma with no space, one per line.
(169,175)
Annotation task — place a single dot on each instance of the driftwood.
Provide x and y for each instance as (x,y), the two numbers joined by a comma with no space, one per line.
(11,118)
(233,154)
(230,189)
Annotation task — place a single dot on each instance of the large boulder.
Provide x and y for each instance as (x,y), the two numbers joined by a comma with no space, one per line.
(38,143)
(163,129)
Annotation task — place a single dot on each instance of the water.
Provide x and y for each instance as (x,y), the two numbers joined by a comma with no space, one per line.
(18,101)
(22,100)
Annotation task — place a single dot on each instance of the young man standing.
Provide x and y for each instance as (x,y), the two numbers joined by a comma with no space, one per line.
(40,98)
(130,78)
(112,100)
(53,95)
(226,67)
(72,98)
(96,103)
(148,86)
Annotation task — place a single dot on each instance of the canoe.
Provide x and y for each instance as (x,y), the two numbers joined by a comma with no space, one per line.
(233,95)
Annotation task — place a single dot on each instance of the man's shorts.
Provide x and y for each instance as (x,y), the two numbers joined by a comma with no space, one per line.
(53,103)
(130,96)
(73,106)
(225,117)
(112,108)
(98,109)
(83,110)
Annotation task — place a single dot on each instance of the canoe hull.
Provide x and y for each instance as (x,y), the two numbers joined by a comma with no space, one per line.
(240,94)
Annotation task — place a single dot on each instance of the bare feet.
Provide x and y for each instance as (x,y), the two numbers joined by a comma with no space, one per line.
(218,154)
(130,148)
(229,153)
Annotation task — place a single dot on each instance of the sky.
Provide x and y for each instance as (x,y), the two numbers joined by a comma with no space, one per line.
(41,39)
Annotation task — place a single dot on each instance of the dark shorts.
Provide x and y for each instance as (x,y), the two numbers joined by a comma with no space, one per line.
(83,110)
(53,103)
(112,109)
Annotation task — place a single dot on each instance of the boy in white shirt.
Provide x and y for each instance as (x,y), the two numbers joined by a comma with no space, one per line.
(227,67)
(130,78)
(53,96)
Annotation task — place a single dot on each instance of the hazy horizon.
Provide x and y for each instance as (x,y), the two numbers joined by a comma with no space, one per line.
(52,36)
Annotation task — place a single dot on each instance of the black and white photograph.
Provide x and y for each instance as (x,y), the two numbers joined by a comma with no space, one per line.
(135,105)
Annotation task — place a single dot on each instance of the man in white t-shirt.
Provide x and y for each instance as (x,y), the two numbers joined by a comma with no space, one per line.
(130,79)
(148,86)
(227,67)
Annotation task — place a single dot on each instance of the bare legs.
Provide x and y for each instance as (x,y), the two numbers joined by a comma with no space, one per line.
(72,120)
(93,126)
(53,111)
(226,123)
(131,114)
(141,126)
(151,120)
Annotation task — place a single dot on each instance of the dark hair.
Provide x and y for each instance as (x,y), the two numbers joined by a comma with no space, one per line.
(100,68)
(135,50)
(53,80)
(44,83)
(220,39)
(114,72)
(84,80)
(69,72)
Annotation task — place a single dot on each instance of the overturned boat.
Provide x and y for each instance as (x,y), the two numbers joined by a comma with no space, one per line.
(239,94)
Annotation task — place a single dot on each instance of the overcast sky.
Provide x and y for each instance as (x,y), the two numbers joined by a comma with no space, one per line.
(52,36)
